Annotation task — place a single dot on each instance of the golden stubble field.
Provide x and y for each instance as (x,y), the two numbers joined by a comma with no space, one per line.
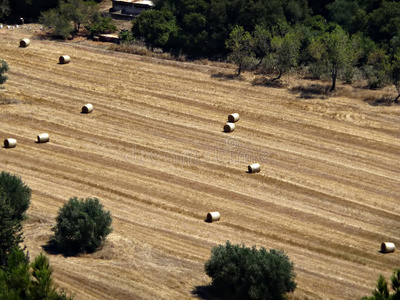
(154,153)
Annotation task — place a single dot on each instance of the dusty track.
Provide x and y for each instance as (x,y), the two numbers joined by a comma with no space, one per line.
(154,153)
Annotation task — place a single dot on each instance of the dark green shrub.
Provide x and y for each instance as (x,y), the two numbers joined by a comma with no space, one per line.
(17,194)
(104,25)
(239,272)
(10,230)
(82,226)
(3,69)
(20,279)
(382,289)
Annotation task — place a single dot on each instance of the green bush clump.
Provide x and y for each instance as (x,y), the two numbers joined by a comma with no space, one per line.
(239,272)
(17,194)
(82,226)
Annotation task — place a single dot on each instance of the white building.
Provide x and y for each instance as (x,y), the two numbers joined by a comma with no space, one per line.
(129,8)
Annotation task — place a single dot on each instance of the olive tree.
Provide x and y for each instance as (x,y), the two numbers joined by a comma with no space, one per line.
(335,52)
(81,226)
(286,52)
(241,43)
(239,272)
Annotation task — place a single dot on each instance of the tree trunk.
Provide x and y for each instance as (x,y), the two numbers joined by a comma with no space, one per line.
(259,63)
(239,69)
(334,75)
(398,94)
(279,76)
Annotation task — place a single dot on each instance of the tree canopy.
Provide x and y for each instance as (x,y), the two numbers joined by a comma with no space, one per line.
(239,272)
(82,226)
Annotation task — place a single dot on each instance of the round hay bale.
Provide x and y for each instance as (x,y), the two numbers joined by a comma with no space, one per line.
(387,247)
(88,108)
(213,216)
(254,168)
(229,127)
(24,43)
(233,117)
(10,143)
(64,59)
(43,138)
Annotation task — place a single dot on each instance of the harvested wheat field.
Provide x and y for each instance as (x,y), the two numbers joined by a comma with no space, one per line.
(155,154)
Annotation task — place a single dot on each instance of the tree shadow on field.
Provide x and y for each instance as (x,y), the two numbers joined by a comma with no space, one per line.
(266,82)
(227,76)
(205,292)
(381,101)
(311,91)
(51,249)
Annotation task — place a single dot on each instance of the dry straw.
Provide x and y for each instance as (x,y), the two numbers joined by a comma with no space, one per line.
(213,216)
(229,127)
(10,143)
(24,43)
(233,117)
(88,108)
(64,59)
(254,168)
(387,247)
(43,138)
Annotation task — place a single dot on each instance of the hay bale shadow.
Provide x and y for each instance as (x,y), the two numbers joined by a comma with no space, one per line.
(311,91)
(266,82)
(381,101)
(205,292)
(227,76)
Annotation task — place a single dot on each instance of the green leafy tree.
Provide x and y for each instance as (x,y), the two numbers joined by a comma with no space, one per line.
(241,43)
(335,52)
(157,27)
(382,291)
(204,26)
(383,23)
(126,37)
(395,73)
(14,276)
(10,229)
(262,43)
(286,50)
(349,15)
(20,279)
(17,194)
(4,9)
(384,68)
(62,26)
(3,69)
(395,280)
(68,17)
(104,25)
(377,69)
(239,272)
(79,12)
(82,226)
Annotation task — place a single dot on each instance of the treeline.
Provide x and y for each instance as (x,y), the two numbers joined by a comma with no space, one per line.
(13,10)
(334,39)
(201,27)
